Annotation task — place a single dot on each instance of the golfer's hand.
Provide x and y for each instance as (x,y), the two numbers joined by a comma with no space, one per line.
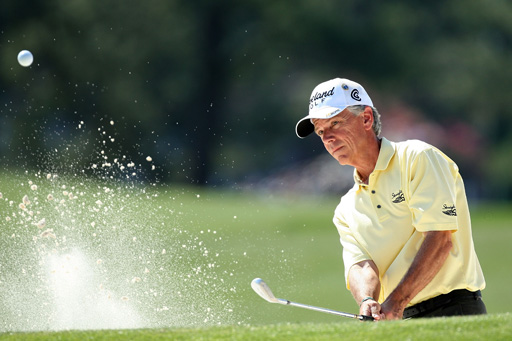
(371,308)
(391,311)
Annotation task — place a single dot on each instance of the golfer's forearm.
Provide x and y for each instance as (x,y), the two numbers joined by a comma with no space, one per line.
(430,258)
(364,281)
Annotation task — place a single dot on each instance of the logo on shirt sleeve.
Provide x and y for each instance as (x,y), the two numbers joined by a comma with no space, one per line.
(449,210)
(398,197)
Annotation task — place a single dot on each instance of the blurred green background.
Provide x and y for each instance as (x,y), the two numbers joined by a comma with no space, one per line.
(211,91)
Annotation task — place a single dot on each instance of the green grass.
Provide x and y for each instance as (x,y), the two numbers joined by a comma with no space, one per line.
(288,241)
(489,327)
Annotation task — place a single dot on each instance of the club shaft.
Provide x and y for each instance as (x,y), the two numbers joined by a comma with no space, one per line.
(323,310)
(262,289)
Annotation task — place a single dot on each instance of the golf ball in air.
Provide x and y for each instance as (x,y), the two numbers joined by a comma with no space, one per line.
(25,58)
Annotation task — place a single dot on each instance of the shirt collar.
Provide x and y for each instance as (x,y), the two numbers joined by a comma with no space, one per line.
(387,150)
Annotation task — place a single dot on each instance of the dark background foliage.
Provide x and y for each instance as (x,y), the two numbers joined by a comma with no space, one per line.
(212,89)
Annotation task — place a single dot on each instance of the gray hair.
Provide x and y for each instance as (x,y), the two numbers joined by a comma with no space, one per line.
(377,125)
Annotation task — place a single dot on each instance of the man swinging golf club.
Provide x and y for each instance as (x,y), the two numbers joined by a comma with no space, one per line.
(405,225)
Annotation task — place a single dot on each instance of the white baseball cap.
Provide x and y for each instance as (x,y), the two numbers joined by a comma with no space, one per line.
(330,98)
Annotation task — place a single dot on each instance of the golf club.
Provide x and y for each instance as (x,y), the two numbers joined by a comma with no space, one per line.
(262,289)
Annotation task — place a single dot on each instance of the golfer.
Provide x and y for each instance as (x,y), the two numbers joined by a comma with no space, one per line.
(405,226)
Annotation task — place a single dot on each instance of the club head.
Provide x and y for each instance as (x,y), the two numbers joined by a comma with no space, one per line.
(262,289)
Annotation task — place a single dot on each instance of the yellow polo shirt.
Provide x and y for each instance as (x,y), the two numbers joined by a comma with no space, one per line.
(414,188)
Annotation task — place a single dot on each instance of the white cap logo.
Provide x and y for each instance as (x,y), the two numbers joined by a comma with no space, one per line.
(355,95)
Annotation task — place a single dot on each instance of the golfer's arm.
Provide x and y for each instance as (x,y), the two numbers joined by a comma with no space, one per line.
(363,279)
(426,264)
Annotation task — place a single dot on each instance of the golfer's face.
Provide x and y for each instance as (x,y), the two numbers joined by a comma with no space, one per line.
(341,136)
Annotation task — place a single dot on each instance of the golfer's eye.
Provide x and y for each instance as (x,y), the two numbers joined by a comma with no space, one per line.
(319,132)
(334,123)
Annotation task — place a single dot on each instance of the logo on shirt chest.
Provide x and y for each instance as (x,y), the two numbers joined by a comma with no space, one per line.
(397,198)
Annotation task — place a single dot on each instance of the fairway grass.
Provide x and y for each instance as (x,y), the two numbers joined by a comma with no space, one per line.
(202,248)
(488,327)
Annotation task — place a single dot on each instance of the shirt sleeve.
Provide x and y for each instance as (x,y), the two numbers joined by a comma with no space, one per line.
(353,252)
(432,191)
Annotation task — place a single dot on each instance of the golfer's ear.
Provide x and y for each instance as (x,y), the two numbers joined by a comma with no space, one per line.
(367,117)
